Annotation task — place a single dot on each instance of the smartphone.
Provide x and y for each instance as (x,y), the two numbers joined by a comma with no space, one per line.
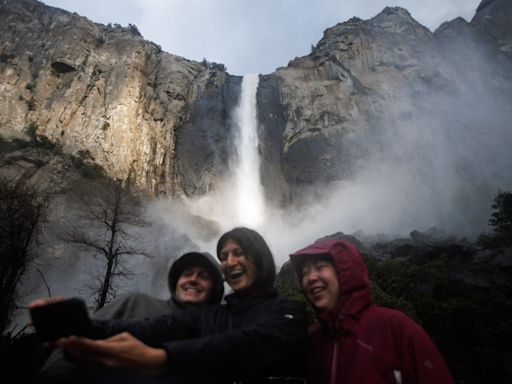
(68,317)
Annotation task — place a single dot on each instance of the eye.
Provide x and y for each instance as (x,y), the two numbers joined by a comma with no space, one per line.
(322,264)
(306,269)
(223,256)
(205,276)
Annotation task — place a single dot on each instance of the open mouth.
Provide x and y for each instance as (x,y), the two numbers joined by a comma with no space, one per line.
(235,274)
(191,290)
(316,291)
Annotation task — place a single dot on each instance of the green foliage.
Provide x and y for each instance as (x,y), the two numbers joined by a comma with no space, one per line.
(134,30)
(31,130)
(501,218)
(289,287)
(469,323)
(501,221)
(213,65)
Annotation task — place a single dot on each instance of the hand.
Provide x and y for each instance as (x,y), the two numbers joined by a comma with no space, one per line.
(122,351)
(45,301)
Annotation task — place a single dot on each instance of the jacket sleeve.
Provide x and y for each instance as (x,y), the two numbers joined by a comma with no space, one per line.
(421,361)
(152,331)
(250,351)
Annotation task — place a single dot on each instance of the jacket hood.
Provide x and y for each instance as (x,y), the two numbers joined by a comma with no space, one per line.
(354,284)
(198,258)
(257,250)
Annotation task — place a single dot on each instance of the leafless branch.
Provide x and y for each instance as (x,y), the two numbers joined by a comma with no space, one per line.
(45,283)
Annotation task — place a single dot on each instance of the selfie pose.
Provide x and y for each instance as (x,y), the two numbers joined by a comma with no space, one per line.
(255,337)
(354,340)
(193,279)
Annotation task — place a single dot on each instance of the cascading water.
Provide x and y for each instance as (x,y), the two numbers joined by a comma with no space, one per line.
(250,205)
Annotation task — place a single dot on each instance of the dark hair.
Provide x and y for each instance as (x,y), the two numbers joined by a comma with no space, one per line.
(299,261)
(256,249)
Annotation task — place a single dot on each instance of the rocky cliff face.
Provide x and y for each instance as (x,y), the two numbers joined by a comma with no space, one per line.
(365,78)
(106,90)
(163,122)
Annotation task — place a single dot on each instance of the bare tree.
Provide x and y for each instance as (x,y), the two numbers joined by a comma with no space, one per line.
(21,213)
(109,214)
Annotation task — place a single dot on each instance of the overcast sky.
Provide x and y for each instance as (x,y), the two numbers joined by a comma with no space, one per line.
(250,36)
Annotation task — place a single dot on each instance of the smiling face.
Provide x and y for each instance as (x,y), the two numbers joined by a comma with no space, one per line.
(238,269)
(194,285)
(320,283)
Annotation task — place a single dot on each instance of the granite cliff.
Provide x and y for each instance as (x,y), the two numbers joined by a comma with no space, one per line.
(163,122)
(323,113)
(137,111)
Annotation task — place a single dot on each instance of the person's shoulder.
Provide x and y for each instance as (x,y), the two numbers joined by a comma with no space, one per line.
(379,311)
(139,296)
(133,306)
(392,317)
(136,299)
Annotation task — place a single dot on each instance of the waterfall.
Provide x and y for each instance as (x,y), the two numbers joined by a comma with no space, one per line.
(249,198)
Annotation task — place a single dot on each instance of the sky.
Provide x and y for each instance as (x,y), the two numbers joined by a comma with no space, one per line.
(250,36)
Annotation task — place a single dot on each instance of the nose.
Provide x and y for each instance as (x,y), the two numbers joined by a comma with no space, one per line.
(231,259)
(193,277)
(310,276)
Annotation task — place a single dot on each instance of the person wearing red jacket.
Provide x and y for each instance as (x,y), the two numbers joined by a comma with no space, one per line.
(355,341)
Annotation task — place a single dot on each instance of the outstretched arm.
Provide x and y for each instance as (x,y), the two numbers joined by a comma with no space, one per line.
(121,351)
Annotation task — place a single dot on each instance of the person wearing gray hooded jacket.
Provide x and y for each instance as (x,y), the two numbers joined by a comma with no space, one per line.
(194,278)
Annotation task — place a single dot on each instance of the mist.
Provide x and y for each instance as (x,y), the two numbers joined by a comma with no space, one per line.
(437,155)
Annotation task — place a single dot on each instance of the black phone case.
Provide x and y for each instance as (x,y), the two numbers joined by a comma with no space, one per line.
(68,317)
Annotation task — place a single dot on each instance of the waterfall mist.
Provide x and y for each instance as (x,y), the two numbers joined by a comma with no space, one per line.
(436,156)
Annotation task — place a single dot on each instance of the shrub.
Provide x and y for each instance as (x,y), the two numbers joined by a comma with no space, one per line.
(501,221)
(31,130)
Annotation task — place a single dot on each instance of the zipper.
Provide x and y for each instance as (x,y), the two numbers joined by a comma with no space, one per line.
(334,365)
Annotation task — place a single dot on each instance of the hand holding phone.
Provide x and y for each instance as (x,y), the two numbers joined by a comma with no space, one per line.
(60,319)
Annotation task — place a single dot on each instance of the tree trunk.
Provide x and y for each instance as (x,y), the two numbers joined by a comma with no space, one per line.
(106,285)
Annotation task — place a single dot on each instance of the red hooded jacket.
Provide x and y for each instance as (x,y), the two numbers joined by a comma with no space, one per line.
(359,342)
